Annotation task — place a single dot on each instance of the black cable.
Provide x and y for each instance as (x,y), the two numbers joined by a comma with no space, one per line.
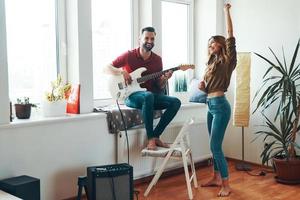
(125,129)
(112,184)
(136,192)
(261,173)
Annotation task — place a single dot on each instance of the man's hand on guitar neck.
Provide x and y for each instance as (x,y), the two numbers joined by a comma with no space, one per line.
(127,77)
(168,74)
(164,78)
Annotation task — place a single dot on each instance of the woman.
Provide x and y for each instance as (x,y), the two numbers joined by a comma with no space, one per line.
(221,63)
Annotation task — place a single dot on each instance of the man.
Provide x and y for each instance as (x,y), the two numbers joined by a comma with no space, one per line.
(154,98)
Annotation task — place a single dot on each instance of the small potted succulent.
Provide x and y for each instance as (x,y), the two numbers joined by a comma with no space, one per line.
(23,108)
(55,102)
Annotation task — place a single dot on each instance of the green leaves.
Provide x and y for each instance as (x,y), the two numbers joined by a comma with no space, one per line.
(281,87)
(277,138)
(294,56)
(282,90)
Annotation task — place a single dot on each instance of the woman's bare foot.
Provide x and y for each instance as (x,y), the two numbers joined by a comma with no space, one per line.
(160,143)
(152,144)
(214,182)
(225,191)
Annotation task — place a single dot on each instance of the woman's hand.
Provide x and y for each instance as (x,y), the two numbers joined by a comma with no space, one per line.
(202,85)
(227,6)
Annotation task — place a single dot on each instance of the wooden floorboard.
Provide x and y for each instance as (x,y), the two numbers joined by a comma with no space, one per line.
(244,186)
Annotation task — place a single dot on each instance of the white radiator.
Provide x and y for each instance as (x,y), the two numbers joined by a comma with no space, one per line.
(144,166)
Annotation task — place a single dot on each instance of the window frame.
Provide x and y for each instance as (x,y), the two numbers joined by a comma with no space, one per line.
(135,33)
(190,29)
(60,42)
(136,25)
(65,68)
(61,39)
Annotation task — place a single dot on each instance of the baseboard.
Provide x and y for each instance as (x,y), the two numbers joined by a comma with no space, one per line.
(250,163)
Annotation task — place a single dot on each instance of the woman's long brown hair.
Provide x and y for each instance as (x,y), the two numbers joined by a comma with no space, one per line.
(222,57)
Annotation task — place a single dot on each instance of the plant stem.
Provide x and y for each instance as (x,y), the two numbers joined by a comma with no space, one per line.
(292,151)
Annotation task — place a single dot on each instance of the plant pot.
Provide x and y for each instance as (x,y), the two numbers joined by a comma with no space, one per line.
(287,171)
(54,109)
(23,111)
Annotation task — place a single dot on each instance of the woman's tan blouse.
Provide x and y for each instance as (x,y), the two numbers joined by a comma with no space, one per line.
(217,74)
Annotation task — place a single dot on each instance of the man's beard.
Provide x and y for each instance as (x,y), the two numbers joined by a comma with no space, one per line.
(148,46)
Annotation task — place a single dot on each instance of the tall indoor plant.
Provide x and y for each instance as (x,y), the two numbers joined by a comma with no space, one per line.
(281,90)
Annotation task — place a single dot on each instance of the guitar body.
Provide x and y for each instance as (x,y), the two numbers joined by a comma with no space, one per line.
(118,88)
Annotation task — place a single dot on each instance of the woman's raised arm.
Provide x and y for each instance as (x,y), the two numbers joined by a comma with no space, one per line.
(228,20)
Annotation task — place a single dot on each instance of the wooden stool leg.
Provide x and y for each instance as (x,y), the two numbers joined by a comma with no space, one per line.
(193,170)
(187,175)
(158,173)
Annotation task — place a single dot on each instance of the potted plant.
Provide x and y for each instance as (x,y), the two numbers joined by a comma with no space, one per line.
(281,91)
(54,103)
(23,108)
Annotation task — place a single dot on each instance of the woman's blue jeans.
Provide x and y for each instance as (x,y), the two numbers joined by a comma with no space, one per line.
(148,102)
(218,116)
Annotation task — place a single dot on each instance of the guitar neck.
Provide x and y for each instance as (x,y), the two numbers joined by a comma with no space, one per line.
(155,75)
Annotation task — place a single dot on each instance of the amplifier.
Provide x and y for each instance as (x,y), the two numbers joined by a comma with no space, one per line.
(110,182)
(24,187)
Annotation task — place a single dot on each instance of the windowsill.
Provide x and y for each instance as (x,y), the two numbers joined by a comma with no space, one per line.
(40,120)
(50,120)
(192,105)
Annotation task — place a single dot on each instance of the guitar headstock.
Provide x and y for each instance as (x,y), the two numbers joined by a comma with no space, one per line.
(184,67)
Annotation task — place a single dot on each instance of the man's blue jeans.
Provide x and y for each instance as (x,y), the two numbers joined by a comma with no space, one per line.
(148,102)
(218,116)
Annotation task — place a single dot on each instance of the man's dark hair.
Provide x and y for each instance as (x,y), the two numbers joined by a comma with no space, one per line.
(148,29)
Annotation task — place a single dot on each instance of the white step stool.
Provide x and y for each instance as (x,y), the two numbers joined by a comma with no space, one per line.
(180,149)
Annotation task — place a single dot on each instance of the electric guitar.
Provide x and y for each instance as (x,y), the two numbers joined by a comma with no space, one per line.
(120,90)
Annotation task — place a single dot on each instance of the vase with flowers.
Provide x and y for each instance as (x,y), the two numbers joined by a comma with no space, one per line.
(55,102)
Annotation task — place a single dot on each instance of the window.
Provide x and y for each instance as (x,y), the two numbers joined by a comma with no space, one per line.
(176,37)
(112,33)
(31,47)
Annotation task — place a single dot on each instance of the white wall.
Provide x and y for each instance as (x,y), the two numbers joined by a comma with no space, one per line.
(56,152)
(4,103)
(259,24)
(209,21)
(205,26)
